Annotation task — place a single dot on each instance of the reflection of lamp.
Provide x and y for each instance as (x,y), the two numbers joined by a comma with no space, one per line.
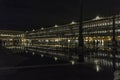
(96,61)
(97,68)
(55,58)
(42,28)
(102,42)
(33,53)
(72,62)
(42,55)
(73,22)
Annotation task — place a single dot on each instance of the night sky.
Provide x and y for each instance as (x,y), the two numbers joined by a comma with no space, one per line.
(34,14)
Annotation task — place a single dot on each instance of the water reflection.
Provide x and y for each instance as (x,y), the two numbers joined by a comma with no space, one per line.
(101,59)
(104,60)
(42,52)
(98,59)
(42,55)
(55,58)
(97,68)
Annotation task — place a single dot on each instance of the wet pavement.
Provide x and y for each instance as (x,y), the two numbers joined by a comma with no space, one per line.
(78,72)
(35,67)
(58,72)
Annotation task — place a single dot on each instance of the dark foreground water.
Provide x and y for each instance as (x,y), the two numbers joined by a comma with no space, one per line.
(24,65)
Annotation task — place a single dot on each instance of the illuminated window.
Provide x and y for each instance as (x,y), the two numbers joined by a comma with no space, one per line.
(110,23)
(116,22)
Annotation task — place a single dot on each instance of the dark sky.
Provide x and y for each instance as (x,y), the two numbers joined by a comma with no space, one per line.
(29,14)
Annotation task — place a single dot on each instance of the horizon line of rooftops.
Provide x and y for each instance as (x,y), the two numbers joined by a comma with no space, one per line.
(97,18)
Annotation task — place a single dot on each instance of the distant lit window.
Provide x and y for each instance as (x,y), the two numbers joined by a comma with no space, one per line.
(100,24)
(76,41)
(118,30)
(110,23)
(86,26)
(105,23)
(117,22)
(47,40)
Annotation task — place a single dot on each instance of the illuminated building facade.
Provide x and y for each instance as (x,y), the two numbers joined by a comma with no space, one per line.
(10,37)
(64,38)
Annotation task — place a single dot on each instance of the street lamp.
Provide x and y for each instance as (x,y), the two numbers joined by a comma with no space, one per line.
(42,28)
(56,26)
(80,37)
(73,22)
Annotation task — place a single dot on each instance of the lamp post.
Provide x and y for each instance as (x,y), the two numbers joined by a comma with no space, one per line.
(114,44)
(80,37)
(114,41)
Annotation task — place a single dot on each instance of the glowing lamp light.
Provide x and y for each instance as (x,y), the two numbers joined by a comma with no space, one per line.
(97,18)
(33,53)
(10,39)
(26,51)
(73,22)
(56,40)
(33,30)
(68,40)
(86,40)
(97,68)
(96,61)
(56,26)
(42,55)
(72,62)
(76,41)
(26,31)
(47,40)
(55,58)
(42,28)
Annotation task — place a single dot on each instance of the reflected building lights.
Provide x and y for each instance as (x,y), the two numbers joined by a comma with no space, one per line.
(42,55)
(97,35)
(56,40)
(97,68)
(33,53)
(55,58)
(72,62)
